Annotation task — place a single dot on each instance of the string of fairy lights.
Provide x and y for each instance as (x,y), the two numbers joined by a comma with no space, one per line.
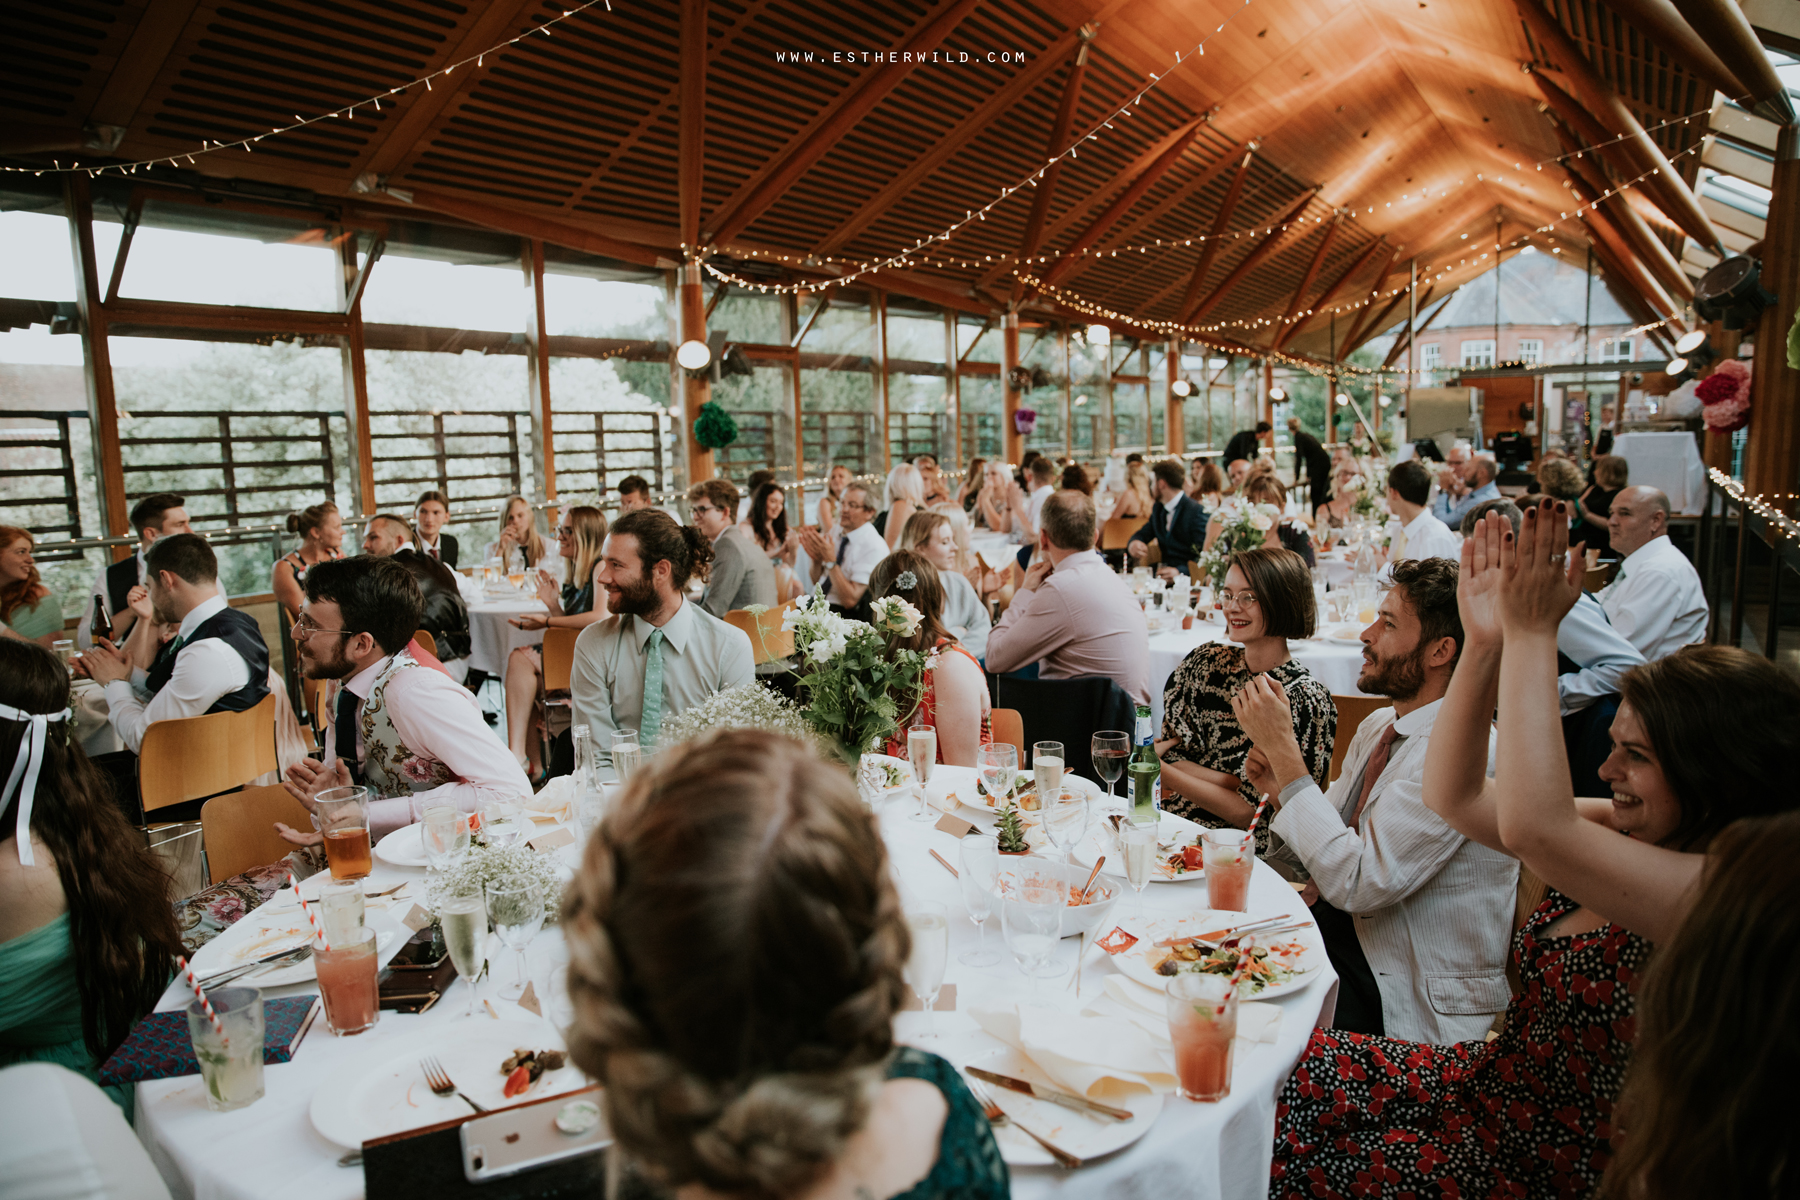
(1763,506)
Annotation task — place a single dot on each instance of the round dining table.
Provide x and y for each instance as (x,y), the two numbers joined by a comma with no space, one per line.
(271,1150)
(493,636)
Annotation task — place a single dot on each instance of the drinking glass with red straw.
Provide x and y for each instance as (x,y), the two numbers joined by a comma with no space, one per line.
(1257,816)
(218,1025)
(306,908)
(1244,959)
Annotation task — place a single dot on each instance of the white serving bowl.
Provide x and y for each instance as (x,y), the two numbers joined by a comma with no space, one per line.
(1090,918)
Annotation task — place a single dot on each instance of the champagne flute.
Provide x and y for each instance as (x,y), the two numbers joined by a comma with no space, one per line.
(1109,750)
(999,763)
(518,914)
(930,954)
(1031,921)
(980,859)
(921,752)
(1137,839)
(1065,819)
(446,835)
(627,753)
(1047,770)
(464,920)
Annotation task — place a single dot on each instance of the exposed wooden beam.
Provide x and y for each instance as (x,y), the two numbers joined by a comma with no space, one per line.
(1053,149)
(963,355)
(1146,179)
(828,128)
(1723,26)
(718,295)
(1274,240)
(1414,334)
(1209,249)
(1290,317)
(1371,322)
(134,212)
(362,275)
(1662,24)
(506,220)
(1125,230)
(537,375)
(961,134)
(103,412)
(160,25)
(692,118)
(1646,245)
(1342,281)
(817,312)
(354,358)
(172,314)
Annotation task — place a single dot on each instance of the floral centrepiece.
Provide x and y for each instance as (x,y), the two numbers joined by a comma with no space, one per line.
(490,866)
(857,690)
(751,706)
(1244,526)
(1725,396)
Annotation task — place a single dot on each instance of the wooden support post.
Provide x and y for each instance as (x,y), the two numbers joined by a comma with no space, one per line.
(694,391)
(953,389)
(1068,406)
(1011,440)
(537,346)
(1174,428)
(96,355)
(356,379)
(878,313)
(1772,458)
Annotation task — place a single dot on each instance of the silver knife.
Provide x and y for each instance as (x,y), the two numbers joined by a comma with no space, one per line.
(1066,1099)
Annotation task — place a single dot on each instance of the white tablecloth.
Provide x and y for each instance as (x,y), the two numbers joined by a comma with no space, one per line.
(270,1150)
(1669,461)
(1334,663)
(491,638)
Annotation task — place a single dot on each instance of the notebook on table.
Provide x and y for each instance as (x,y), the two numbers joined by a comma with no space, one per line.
(160,1048)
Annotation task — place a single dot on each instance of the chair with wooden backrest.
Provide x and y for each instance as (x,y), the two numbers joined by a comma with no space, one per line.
(426,641)
(239,829)
(1009,729)
(1598,577)
(1117,533)
(314,696)
(769,642)
(1351,711)
(191,758)
(558,655)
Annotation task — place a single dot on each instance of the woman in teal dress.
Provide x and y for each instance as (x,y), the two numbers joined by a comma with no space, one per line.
(737,951)
(87,935)
(28,611)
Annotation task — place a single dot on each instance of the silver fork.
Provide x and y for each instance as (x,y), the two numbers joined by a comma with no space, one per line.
(440,1083)
(997,1116)
(286,958)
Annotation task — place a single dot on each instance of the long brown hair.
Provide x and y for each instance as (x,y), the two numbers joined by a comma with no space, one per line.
(19,591)
(926,594)
(1704,1108)
(1721,721)
(736,956)
(121,926)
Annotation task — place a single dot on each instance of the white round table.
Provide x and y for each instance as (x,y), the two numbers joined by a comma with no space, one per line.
(270,1149)
(1334,662)
(492,636)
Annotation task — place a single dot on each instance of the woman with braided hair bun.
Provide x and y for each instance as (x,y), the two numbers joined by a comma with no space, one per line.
(736,958)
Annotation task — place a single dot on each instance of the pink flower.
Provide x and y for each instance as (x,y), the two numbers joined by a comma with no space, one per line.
(419,770)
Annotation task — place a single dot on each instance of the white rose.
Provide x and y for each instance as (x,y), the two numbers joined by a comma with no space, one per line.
(1261,523)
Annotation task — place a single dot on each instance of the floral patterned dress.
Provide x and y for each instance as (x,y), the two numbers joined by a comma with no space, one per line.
(927,713)
(1197,715)
(1527,1114)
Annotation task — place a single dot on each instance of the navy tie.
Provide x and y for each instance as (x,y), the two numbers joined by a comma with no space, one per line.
(344,732)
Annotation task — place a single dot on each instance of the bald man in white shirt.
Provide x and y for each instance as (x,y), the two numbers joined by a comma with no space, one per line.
(1656,600)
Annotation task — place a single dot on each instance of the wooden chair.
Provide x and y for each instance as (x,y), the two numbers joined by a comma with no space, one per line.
(1116,534)
(769,642)
(315,695)
(1599,577)
(1009,729)
(1351,711)
(426,641)
(238,829)
(191,758)
(558,654)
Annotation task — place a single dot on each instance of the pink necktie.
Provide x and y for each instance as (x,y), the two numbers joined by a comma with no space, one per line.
(1377,764)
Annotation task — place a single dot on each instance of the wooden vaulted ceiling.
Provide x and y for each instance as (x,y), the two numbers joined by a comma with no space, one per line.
(1386,131)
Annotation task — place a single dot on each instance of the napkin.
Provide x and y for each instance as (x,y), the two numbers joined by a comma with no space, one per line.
(1127,999)
(554,799)
(1097,1057)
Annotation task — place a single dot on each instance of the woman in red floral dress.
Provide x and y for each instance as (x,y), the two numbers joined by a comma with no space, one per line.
(1531,1113)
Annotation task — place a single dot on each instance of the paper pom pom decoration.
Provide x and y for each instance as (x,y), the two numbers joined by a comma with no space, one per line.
(714,427)
(1682,403)
(1025,420)
(1726,396)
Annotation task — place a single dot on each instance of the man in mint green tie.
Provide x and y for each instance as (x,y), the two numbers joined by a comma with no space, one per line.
(657,653)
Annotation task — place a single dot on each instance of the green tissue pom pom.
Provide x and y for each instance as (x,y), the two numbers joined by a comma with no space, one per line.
(714,428)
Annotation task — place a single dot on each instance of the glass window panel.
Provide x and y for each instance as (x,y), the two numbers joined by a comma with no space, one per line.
(579,306)
(423,291)
(837,417)
(35,249)
(916,337)
(846,327)
(989,347)
(454,422)
(203,256)
(1128,415)
(981,416)
(756,319)
(763,406)
(611,420)
(917,423)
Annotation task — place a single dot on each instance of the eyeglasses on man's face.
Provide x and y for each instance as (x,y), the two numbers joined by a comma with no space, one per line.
(305,627)
(698,509)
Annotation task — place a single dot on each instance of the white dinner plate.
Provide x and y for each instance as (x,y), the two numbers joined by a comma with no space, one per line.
(271,929)
(1349,634)
(1171,831)
(973,799)
(1083,1135)
(384,1093)
(405,847)
(1138,962)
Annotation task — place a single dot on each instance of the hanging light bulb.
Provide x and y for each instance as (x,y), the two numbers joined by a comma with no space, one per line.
(1342,399)
(1182,387)
(693,355)
(1277,394)
(1099,335)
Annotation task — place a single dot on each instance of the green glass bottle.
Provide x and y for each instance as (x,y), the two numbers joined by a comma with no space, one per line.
(1144,771)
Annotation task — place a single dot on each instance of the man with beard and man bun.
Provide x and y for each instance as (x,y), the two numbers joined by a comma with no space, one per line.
(656,654)
(1416,917)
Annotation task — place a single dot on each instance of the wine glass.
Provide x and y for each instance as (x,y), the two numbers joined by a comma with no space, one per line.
(980,861)
(1065,819)
(1109,750)
(518,913)
(921,752)
(446,836)
(999,764)
(502,823)
(627,753)
(1137,841)
(930,953)
(464,920)
(1031,912)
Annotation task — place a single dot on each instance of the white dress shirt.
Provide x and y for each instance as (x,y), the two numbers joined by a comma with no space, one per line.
(97,595)
(1428,537)
(1587,639)
(204,671)
(1433,910)
(701,655)
(438,719)
(1656,600)
(866,549)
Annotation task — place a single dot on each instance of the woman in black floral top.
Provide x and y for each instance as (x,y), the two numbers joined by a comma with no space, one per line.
(1268,598)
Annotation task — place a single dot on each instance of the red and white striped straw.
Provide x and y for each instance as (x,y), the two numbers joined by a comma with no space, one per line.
(1237,976)
(218,1025)
(306,908)
(1257,816)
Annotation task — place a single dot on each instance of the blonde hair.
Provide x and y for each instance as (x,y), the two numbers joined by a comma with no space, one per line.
(736,957)
(534,541)
(589,527)
(1137,481)
(960,530)
(905,483)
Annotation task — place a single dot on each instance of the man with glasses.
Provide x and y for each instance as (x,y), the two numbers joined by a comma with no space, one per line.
(412,734)
(844,570)
(741,574)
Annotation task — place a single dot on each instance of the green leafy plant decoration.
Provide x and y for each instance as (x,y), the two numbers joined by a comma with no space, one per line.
(715,428)
(1011,831)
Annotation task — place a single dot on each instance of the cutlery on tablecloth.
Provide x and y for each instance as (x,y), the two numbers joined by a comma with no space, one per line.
(440,1083)
(997,1116)
(1261,932)
(945,863)
(1053,1095)
(285,958)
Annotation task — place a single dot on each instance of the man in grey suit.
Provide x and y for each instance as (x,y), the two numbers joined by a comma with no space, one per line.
(1416,917)
(741,575)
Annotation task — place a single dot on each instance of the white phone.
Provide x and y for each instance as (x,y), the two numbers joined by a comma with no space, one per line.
(527,1136)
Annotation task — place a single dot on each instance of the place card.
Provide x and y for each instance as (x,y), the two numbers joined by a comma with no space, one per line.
(955,826)
(1117,941)
(416,918)
(946,1001)
(529,1002)
(553,840)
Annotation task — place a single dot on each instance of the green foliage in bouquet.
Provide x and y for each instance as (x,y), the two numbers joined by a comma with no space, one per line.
(857,690)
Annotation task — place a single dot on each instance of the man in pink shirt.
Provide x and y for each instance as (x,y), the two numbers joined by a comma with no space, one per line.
(1072,616)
